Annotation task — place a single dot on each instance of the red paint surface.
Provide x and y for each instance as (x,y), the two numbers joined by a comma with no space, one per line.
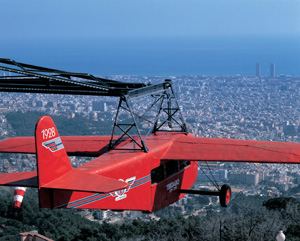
(227,199)
(75,145)
(226,150)
(129,172)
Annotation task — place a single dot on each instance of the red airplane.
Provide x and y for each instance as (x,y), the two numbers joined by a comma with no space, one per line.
(130,172)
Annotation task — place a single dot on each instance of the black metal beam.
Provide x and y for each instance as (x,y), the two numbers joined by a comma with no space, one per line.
(38,79)
(199,192)
(151,89)
(35,79)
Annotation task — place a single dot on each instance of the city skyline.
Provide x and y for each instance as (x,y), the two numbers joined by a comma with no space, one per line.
(221,57)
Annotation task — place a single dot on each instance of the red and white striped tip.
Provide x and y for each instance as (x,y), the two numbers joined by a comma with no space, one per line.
(18,196)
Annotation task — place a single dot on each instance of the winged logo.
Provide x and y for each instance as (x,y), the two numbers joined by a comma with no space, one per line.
(54,144)
(120,194)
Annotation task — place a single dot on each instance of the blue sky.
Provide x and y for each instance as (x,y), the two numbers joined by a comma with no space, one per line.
(152,36)
(144,18)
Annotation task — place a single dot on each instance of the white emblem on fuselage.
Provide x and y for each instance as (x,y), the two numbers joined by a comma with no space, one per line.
(172,186)
(120,194)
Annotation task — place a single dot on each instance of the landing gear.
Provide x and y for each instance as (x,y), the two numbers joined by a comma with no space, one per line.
(225,195)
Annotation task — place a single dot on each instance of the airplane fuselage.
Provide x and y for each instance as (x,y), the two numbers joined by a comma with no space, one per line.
(153,183)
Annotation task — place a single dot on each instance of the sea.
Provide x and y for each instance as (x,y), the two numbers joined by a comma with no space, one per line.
(159,56)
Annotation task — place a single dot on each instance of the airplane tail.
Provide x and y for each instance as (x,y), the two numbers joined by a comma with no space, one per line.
(52,159)
(57,180)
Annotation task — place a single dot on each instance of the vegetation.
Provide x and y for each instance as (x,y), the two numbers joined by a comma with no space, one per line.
(24,124)
(248,218)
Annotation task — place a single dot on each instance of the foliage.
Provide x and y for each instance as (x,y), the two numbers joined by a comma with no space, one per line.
(242,221)
(281,203)
(24,124)
(295,190)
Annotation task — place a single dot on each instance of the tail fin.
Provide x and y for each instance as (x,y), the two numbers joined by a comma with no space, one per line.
(57,180)
(52,159)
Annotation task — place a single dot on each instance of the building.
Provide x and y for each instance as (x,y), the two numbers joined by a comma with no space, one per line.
(99,106)
(33,236)
(252,178)
(272,70)
(245,178)
(206,175)
(258,69)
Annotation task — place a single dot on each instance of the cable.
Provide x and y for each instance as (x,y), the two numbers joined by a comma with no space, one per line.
(214,183)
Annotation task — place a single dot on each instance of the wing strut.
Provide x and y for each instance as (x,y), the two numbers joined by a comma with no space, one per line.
(214,182)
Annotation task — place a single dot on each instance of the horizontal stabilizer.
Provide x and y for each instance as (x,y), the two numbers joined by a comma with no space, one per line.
(86,182)
(19,179)
(75,145)
(192,148)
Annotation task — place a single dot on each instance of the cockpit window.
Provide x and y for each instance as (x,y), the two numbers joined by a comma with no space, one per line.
(171,168)
(183,164)
(157,174)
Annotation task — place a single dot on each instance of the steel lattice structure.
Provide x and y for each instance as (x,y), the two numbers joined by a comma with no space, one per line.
(35,79)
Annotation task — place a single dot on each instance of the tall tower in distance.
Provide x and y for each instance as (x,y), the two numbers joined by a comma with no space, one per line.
(272,70)
(258,69)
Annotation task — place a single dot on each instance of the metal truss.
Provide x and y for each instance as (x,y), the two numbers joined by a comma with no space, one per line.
(168,117)
(36,79)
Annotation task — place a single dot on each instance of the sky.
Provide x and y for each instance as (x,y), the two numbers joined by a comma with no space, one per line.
(152,36)
(147,18)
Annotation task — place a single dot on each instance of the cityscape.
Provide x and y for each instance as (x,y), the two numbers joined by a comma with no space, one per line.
(234,67)
(264,108)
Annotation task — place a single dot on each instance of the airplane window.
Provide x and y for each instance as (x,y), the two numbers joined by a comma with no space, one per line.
(171,168)
(183,164)
(157,174)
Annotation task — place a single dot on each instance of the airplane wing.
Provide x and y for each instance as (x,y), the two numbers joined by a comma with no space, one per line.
(19,179)
(190,148)
(92,146)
